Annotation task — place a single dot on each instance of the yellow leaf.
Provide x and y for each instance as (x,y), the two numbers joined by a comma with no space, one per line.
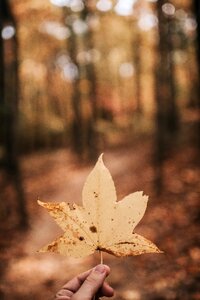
(101,223)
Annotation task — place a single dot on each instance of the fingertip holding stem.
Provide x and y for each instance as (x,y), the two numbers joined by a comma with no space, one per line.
(100,268)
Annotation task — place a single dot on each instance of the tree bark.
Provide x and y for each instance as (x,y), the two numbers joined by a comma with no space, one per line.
(196,6)
(83,128)
(138,71)
(2,81)
(167,119)
(9,104)
(76,131)
(91,134)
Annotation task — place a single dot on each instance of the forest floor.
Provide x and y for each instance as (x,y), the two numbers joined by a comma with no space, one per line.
(171,222)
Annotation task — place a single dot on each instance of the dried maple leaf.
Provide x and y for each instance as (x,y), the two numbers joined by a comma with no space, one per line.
(101,223)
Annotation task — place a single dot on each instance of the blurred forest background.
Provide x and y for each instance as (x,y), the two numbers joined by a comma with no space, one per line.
(78,78)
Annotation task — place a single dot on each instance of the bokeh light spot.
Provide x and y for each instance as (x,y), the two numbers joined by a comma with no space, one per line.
(79,27)
(168,9)
(60,3)
(147,21)
(104,5)
(126,69)
(8,32)
(55,29)
(76,5)
(124,8)
(70,71)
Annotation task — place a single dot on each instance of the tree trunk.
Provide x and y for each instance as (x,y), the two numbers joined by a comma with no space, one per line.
(167,114)
(83,129)
(91,134)
(196,5)
(77,128)
(2,83)
(9,103)
(138,71)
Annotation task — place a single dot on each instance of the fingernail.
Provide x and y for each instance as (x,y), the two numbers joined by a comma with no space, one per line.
(100,269)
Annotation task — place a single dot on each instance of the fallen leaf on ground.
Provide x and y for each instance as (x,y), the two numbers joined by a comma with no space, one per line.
(102,223)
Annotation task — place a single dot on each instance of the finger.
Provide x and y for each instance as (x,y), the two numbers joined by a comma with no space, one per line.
(74,284)
(64,294)
(106,290)
(92,283)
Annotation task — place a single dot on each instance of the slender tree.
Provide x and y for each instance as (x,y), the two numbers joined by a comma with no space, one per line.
(76,131)
(138,70)
(196,8)
(2,81)
(9,103)
(91,133)
(83,132)
(167,114)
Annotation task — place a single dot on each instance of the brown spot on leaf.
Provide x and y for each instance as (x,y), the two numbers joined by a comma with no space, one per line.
(81,238)
(124,243)
(109,251)
(93,229)
(53,247)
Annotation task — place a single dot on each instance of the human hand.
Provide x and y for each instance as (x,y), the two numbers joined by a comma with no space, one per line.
(86,285)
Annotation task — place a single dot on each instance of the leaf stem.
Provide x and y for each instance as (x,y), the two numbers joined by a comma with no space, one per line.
(96,297)
(101,257)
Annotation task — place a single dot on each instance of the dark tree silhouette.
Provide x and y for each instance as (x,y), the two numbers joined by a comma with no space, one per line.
(76,133)
(91,133)
(138,70)
(83,127)
(2,81)
(8,104)
(167,114)
(196,6)
(196,9)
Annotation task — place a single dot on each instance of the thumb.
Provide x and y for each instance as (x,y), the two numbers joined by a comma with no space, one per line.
(92,283)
